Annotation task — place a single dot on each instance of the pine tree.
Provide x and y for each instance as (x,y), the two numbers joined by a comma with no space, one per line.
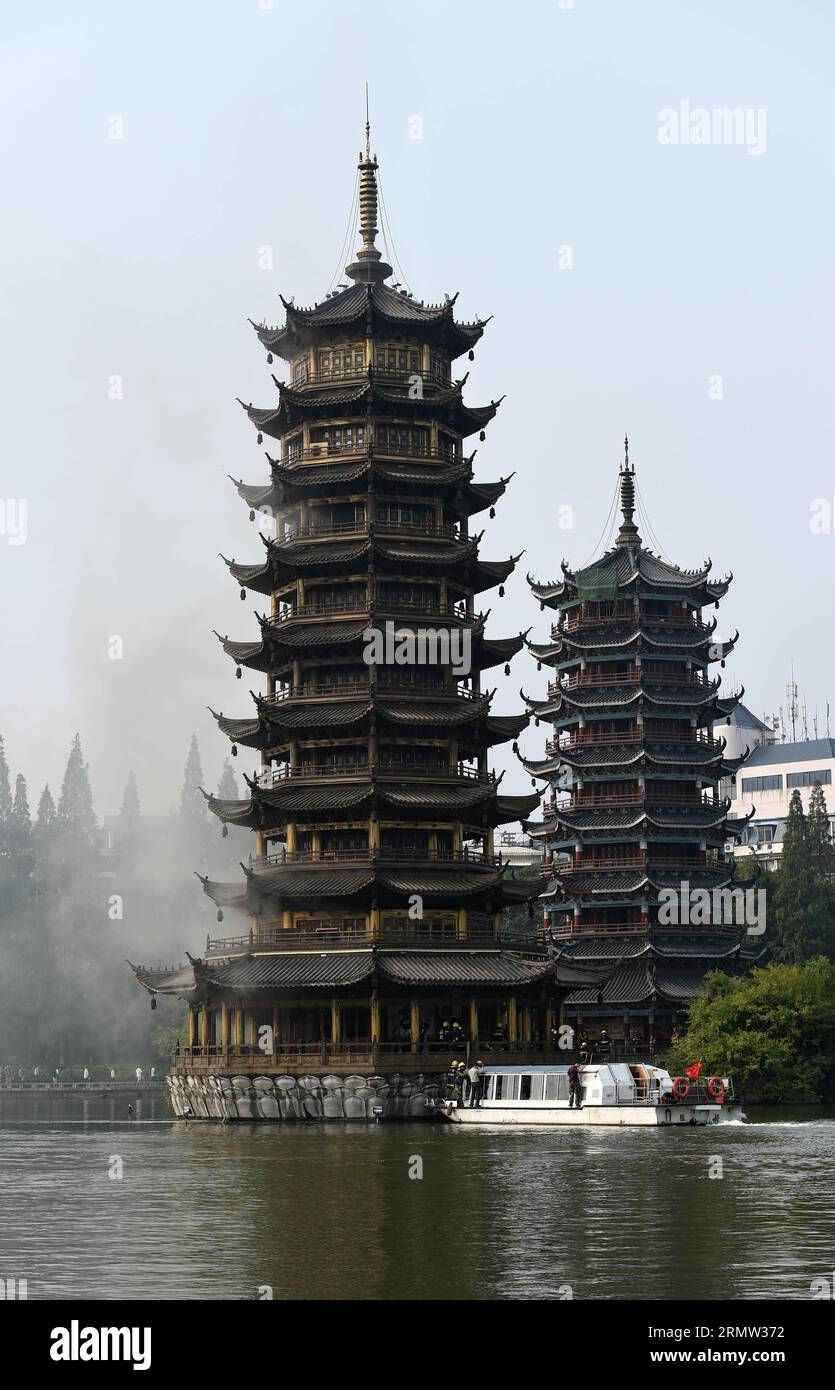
(227,787)
(75,805)
(192,803)
(804,897)
(5,802)
(47,815)
(21,819)
(130,815)
(818,832)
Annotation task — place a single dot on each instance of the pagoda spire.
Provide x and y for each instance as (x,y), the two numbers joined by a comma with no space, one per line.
(628,533)
(369,266)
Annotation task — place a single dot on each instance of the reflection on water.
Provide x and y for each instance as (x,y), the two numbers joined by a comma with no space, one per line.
(330,1211)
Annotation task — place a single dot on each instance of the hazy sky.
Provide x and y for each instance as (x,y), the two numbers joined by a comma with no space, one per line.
(681,291)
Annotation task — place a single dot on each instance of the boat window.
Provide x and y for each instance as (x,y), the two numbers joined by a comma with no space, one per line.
(551,1083)
(497,1089)
(537,1086)
(526,1088)
(489,1084)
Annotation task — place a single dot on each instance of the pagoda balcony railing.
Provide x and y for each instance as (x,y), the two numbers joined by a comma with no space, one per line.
(650,863)
(581,800)
(313,376)
(364,607)
(570,623)
(370,854)
(559,930)
(334,934)
(325,449)
(368,686)
(387,767)
(586,737)
(630,677)
(446,530)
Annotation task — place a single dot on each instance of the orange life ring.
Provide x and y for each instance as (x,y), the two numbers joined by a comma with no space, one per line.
(681,1087)
(716,1088)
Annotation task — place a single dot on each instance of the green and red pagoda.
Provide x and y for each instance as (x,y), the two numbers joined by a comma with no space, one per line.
(633,772)
(370,931)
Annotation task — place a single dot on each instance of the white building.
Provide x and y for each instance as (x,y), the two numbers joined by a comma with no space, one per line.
(766,782)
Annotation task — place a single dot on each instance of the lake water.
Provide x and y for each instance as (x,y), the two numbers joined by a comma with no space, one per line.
(330,1211)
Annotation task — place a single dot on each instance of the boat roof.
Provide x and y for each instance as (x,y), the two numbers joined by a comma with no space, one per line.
(550,1067)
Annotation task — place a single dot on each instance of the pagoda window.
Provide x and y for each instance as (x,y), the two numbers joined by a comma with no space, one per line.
(447,445)
(424,596)
(439,368)
(403,439)
(402,514)
(301,370)
(341,362)
(336,844)
(336,439)
(294,448)
(356,1023)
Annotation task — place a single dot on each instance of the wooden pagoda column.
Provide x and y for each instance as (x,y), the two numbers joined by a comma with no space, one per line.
(512,1019)
(192,1025)
(375,1018)
(414,1023)
(473,1019)
(224,1026)
(336,1022)
(204,1025)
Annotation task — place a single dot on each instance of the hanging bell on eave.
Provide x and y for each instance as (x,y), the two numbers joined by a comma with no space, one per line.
(482,436)
(501,591)
(252,513)
(259,438)
(270,358)
(237,673)
(722,662)
(224,831)
(153,1001)
(537,724)
(471,355)
(492,512)
(539,666)
(234,750)
(507,668)
(243,594)
(220,915)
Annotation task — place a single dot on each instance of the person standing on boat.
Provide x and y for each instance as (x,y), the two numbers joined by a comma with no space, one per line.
(575,1087)
(475,1075)
(604,1043)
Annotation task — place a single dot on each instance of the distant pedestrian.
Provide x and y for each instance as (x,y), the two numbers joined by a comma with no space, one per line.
(36,1074)
(139,1076)
(153,1072)
(112,1074)
(86,1073)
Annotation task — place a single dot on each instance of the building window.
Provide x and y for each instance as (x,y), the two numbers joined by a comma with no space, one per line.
(763,784)
(765,834)
(808,779)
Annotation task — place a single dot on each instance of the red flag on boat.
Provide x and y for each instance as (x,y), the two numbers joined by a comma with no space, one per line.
(693,1072)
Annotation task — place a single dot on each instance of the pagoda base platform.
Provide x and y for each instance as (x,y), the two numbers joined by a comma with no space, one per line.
(306,1097)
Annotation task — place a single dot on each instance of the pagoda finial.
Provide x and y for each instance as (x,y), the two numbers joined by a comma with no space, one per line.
(628,533)
(369,266)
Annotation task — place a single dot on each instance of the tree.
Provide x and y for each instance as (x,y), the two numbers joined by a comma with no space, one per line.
(818,834)
(75,804)
(804,896)
(227,787)
(192,803)
(772,1032)
(5,803)
(47,816)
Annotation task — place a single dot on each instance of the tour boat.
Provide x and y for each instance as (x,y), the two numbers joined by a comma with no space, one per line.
(614,1093)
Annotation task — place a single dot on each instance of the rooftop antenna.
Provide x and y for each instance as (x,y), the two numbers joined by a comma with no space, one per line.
(815,722)
(805,725)
(791,698)
(827,719)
